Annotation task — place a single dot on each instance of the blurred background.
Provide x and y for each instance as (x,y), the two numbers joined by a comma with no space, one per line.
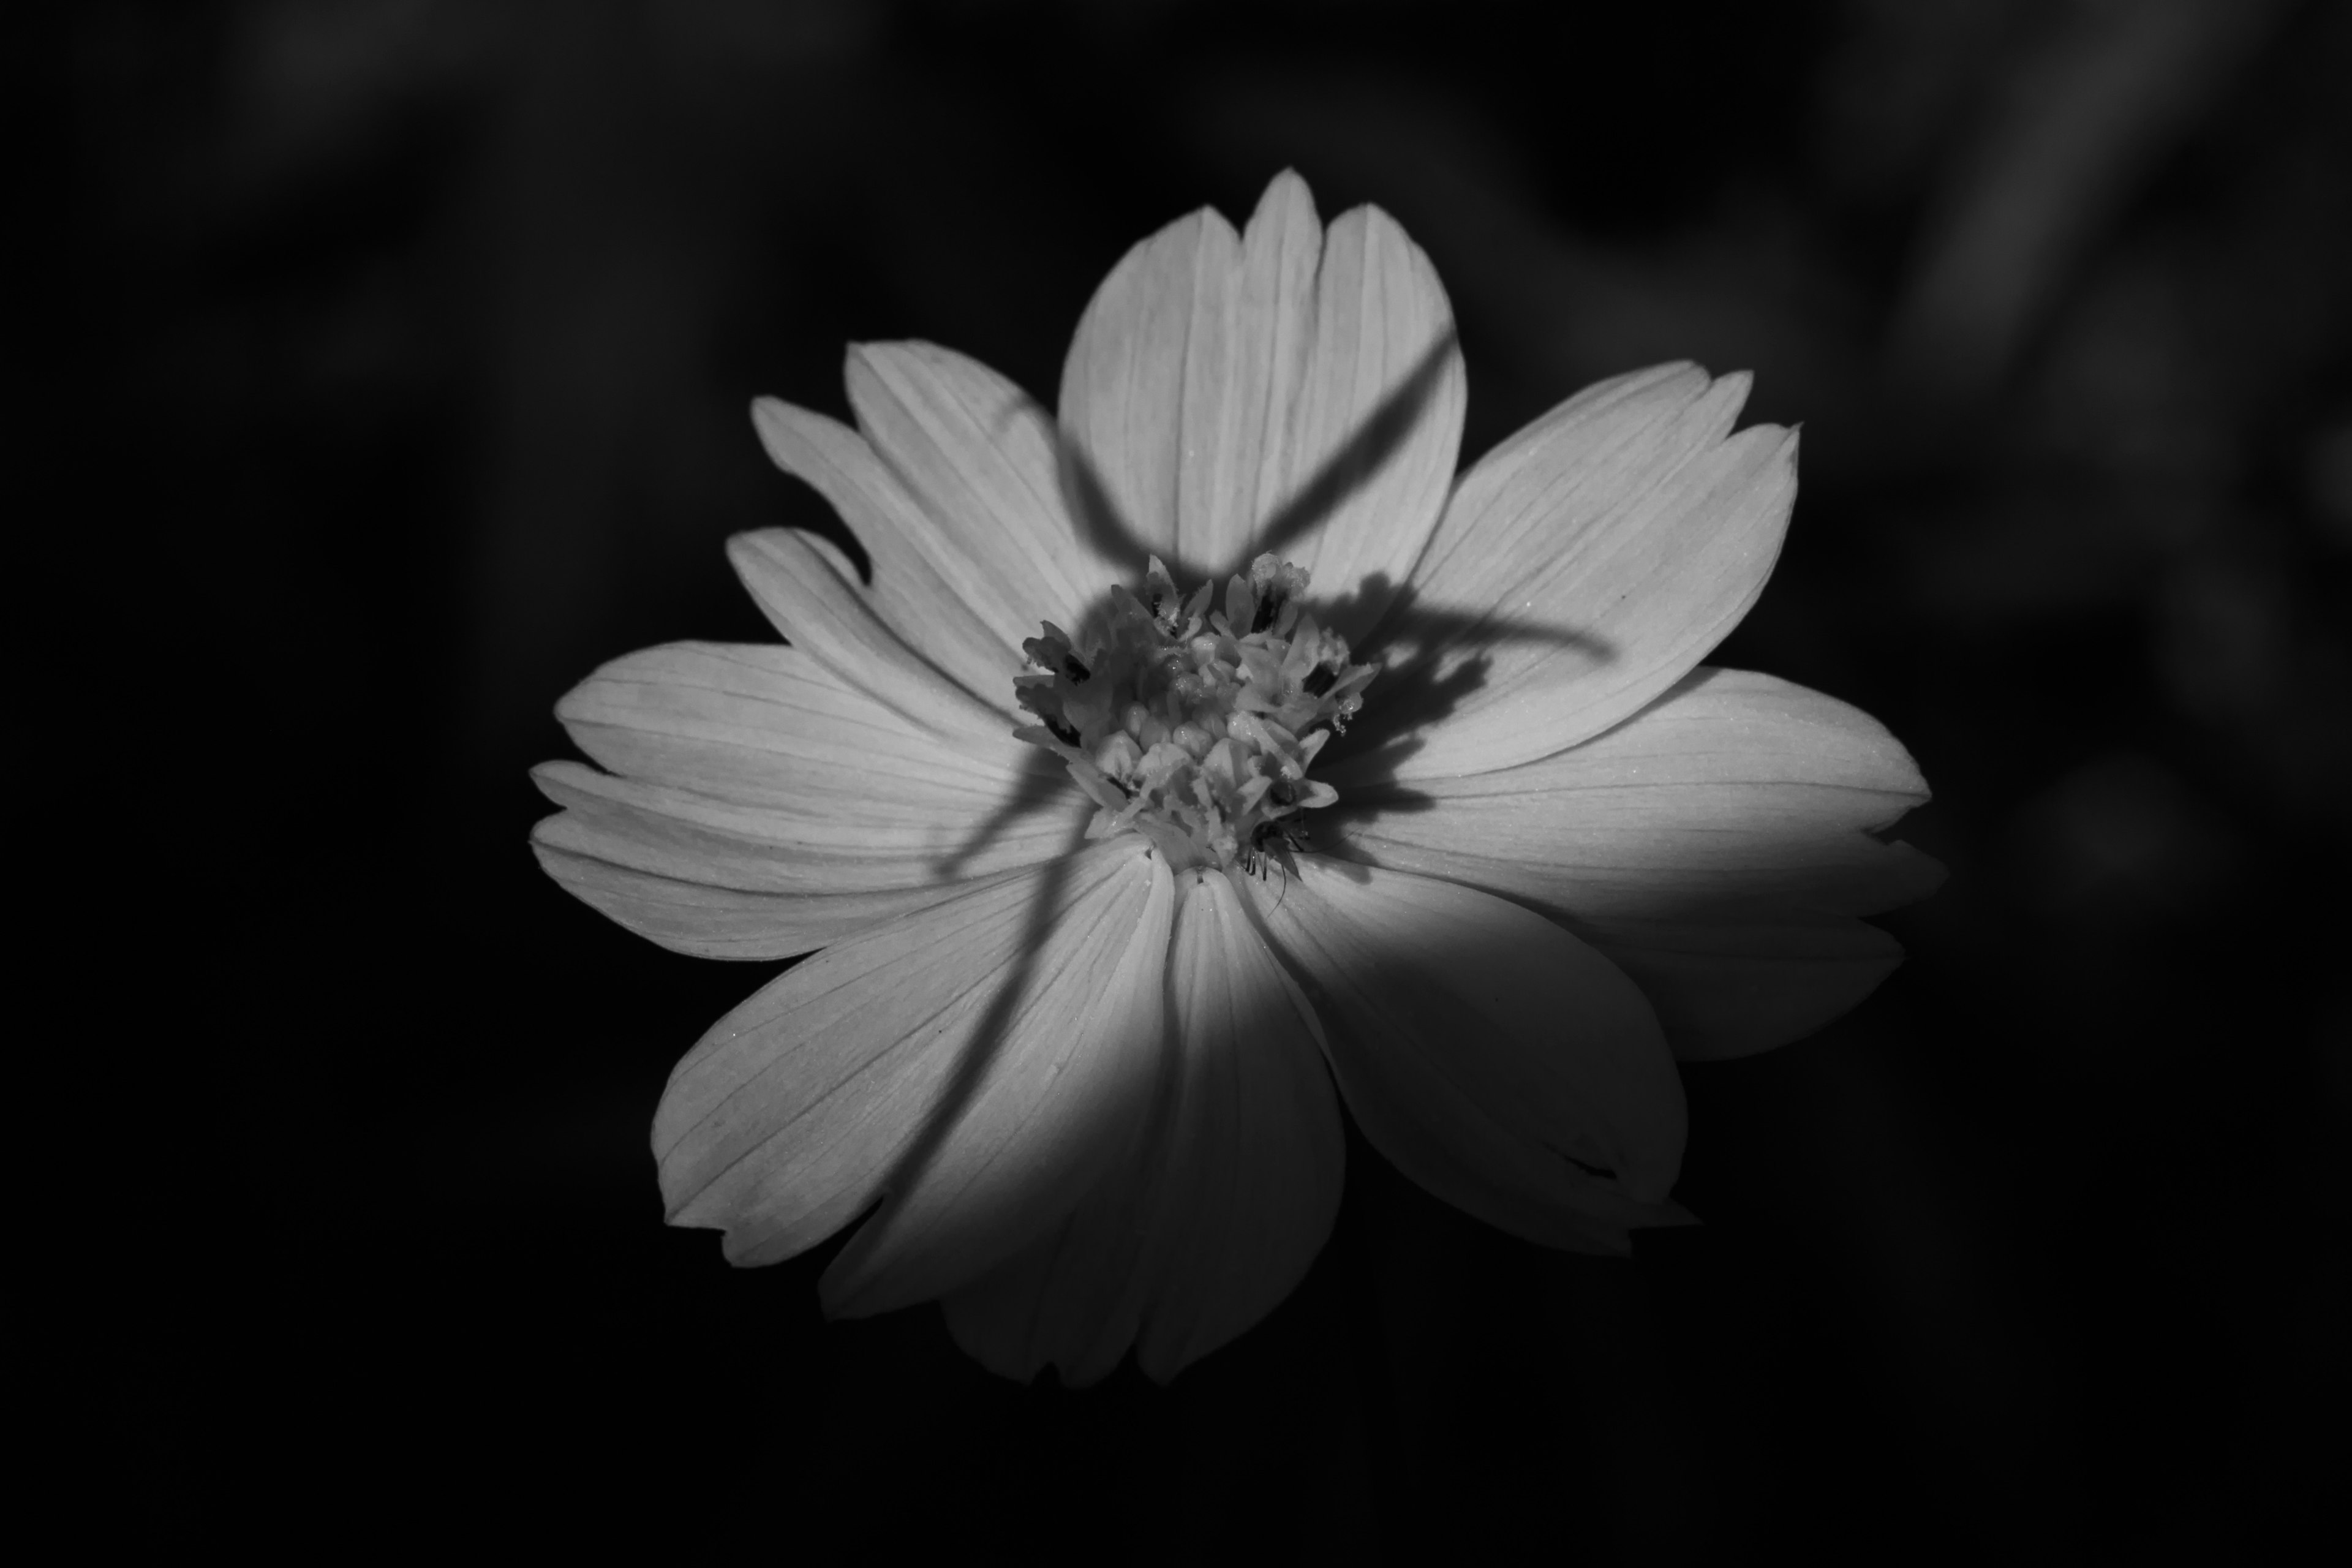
(408,348)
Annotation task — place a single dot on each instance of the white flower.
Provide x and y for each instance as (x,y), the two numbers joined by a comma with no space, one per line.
(1079,997)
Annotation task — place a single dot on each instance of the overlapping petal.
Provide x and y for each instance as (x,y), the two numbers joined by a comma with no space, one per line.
(1733,985)
(808,593)
(983,461)
(1218,1216)
(719,879)
(975,1065)
(1715,847)
(1283,389)
(775,725)
(916,589)
(1585,565)
(758,806)
(1495,1058)
(1738,790)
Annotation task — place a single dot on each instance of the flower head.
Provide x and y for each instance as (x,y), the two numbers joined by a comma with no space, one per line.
(1194,727)
(1205,750)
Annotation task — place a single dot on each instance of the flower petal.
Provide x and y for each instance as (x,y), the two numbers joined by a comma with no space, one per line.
(978,1062)
(1073,1298)
(1218,1217)
(1497,1061)
(1735,790)
(1257,1159)
(1731,987)
(706,921)
(804,590)
(1589,562)
(916,589)
(984,463)
(763,807)
(774,725)
(881,844)
(722,879)
(1286,389)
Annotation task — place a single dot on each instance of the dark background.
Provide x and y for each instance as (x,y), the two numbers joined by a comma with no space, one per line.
(407,350)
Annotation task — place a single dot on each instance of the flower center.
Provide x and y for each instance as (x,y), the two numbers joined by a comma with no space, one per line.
(1196,726)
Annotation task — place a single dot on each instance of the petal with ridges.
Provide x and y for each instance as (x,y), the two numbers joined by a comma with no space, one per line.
(704,921)
(760,805)
(1290,390)
(984,462)
(1257,1159)
(1495,1058)
(725,880)
(773,724)
(1243,360)
(1737,789)
(808,595)
(818,848)
(1180,378)
(1123,386)
(1378,424)
(1588,563)
(914,588)
(979,1062)
(1218,1217)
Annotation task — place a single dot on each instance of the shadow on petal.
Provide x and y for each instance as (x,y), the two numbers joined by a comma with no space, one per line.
(1218,1213)
(1495,1058)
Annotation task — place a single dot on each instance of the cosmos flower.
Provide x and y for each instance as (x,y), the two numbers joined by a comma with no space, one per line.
(1206,759)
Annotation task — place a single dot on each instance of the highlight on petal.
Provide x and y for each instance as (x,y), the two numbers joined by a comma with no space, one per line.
(1736,790)
(1283,389)
(984,462)
(806,591)
(1499,1061)
(1218,1216)
(775,725)
(723,880)
(975,1065)
(757,805)
(1586,564)
(917,590)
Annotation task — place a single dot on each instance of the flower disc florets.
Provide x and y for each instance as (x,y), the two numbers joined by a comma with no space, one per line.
(1196,726)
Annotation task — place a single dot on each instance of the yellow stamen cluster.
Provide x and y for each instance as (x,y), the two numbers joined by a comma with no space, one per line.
(1196,726)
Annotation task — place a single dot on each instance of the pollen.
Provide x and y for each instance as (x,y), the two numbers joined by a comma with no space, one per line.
(1195,726)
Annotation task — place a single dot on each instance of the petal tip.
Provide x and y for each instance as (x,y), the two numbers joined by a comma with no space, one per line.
(1287,185)
(547,776)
